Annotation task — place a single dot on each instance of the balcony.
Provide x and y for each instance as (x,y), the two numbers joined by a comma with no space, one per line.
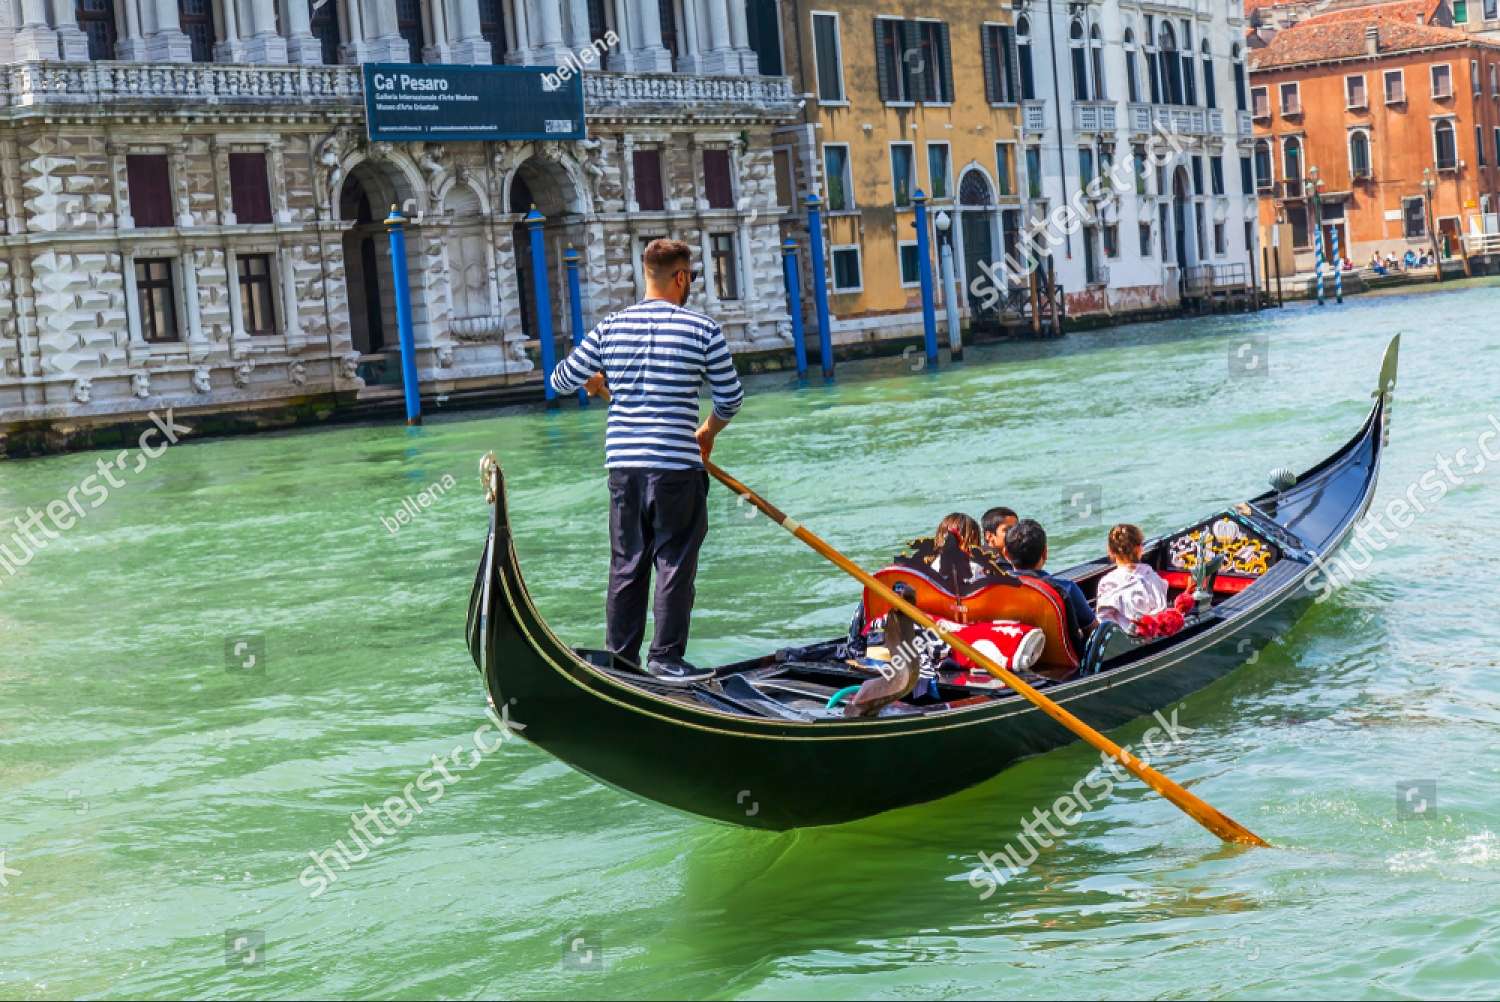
(1172,119)
(168,85)
(1290,190)
(1034,116)
(1246,123)
(1095,116)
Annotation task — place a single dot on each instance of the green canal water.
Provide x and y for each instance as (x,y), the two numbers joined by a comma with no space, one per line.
(162,785)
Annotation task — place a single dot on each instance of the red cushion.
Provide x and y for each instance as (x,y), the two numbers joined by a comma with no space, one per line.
(1001,641)
(1224,584)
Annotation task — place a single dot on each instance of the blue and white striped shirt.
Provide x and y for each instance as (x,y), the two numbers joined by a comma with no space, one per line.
(656,357)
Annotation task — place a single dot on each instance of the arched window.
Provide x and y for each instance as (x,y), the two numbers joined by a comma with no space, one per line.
(1171,65)
(1210,92)
(1132,67)
(1445,145)
(1291,158)
(1096,50)
(1023,56)
(1359,154)
(1080,62)
(1240,101)
(1263,178)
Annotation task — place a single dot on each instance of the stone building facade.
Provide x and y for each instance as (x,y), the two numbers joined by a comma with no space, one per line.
(194,216)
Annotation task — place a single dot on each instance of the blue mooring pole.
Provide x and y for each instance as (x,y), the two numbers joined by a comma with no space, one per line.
(534,221)
(819,280)
(395,225)
(794,303)
(1338,269)
(924,272)
(575,308)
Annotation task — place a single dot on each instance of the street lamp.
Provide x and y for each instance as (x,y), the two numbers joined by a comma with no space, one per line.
(1429,188)
(944,223)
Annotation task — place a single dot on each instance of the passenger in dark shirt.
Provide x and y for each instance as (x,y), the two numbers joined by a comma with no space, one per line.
(1026,546)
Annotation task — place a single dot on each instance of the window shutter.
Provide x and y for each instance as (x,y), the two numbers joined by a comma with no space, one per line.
(882,60)
(150,188)
(913,61)
(648,192)
(716,184)
(987,51)
(945,56)
(249,191)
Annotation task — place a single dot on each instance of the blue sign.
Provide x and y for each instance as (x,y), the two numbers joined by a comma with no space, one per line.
(406,102)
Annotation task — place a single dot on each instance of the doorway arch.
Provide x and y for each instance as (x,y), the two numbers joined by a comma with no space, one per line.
(977,215)
(370,293)
(544,184)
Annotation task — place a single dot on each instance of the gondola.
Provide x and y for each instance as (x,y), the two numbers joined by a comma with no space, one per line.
(758,745)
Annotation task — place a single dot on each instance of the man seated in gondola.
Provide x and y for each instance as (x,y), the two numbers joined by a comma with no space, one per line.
(1026,546)
(995,522)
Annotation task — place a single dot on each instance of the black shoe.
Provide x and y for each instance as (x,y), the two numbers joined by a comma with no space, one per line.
(677,672)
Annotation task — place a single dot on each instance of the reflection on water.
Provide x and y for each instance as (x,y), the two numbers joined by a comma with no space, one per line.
(158,798)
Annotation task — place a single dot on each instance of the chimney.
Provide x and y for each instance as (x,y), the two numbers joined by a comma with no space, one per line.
(1372,40)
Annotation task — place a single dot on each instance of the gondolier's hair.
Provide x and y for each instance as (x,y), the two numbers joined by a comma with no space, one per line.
(1025,542)
(663,258)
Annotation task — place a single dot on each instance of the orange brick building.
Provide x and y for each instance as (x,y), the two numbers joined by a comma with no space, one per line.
(1395,118)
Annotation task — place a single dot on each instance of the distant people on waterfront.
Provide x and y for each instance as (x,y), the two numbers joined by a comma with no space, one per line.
(654,358)
(994,523)
(1026,546)
(1390,260)
(1377,265)
(1132,589)
(1410,260)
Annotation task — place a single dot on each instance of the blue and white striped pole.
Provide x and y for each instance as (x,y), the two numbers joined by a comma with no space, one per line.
(1319,244)
(1338,269)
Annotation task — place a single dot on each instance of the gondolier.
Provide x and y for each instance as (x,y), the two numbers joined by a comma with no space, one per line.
(655,357)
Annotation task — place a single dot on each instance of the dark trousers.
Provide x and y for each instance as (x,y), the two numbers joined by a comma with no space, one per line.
(657,518)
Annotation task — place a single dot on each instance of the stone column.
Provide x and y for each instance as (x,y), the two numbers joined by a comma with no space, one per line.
(291,322)
(691,59)
(739,37)
(521,28)
(131,45)
(646,54)
(546,34)
(263,44)
(382,39)
(471,46)
(229,48)
(302,46)
(437,49)
(72,43)
(721,57)
(577,24)
(165,41)
(36,39)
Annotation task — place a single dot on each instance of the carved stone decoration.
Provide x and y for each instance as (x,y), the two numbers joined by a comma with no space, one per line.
(445,358)
(140,385)
(349,364)
(298,373)
(242,373)
(431,162)
(203,380)
(591,159)
(83,390)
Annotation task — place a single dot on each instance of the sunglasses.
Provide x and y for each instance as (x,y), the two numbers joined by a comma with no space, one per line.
(693,275)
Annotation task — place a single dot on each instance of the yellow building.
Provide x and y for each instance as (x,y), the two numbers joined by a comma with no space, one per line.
(901,97)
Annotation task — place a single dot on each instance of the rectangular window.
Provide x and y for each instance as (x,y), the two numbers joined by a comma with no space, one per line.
(1247,175)
(996,44)
(157,298)
(1475,79)
(1221,239)
(764,29)
(648,189)
(910,269)
(725,265)
(903,173)
(1260,103)
(249,191)
(782,159)
(938,171)
(1145,238)
(1197,163)
(1414,217)
(1005,168)
(1445,144)
(1263,179)
(1497,146)
(1354,91)
(837,179)
(150,187)
(1216,173)
(1479,144)
(196,19)
(913,61)
(1034,171)
(491,27)
(846,275)
(718,189)
(936,72)
(1085,166)
(1395,86)
(1112,240)
(828,57)
(893,71)
(1442,81)
(257,311)
(1291,99)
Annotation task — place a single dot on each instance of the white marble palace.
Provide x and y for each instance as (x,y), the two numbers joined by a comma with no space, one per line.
(193,215)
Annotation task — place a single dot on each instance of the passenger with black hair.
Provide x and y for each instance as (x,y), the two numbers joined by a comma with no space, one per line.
(1026,546)
(995,522)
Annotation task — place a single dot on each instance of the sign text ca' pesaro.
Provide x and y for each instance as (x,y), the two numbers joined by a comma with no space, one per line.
(406,102)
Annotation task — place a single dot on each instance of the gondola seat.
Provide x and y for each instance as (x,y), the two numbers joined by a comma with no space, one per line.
(1023,600)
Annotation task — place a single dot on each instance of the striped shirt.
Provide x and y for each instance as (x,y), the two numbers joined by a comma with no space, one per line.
(656,357)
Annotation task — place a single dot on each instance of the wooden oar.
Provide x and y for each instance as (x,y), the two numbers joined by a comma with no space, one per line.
(1199,810)
(1195,807)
